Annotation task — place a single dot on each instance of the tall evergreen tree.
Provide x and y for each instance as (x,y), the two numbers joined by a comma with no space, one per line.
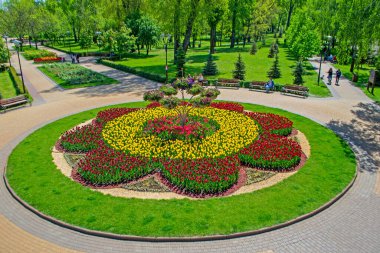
(298,72)
(274,72)
(239,72)
(181,60)
(210,68)
(253,50)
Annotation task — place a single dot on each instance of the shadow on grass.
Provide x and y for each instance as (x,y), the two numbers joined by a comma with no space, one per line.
(363,134)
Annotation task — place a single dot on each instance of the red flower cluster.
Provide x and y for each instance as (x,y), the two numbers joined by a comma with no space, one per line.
(271,151)
(110,114)
(228,106)
(170,128)
(47,59)
(272,123)
(81,139)
(202,176)
(104,166)
(153,105)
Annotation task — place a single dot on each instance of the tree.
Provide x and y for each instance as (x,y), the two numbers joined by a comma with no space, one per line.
(240,11)
(109,41)
(181,60)
(239,72)
(149,33)
(85,41)
(3,52)
(190,22)
(210,68)
(253,49)
(274,72)
(298,72)
(216,10)
(124,41)
(166,96)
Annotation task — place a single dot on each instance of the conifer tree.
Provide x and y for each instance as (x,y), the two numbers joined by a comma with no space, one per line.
(274,72)
(181,60)
(298,72)
(210,68)
(239,72)
(253,50)
(272,51)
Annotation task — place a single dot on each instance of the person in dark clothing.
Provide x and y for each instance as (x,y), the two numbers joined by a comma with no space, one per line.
(338,75)
(77,58)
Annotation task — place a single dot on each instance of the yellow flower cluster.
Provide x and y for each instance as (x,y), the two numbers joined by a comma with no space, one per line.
(126,133)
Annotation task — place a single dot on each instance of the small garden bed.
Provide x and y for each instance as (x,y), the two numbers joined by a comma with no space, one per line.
(71,76)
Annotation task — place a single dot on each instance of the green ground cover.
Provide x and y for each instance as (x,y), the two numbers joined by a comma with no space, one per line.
(71,76)
(257,65)
(7,88)
(35,178)
(363,77)
(31,53)
(71,46)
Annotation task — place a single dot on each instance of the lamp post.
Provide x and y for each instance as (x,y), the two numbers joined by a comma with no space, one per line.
(68,34)
(17,44)
(97,33)
(166,39)
(6,43)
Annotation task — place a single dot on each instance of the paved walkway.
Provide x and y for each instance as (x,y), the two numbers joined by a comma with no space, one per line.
(350,225)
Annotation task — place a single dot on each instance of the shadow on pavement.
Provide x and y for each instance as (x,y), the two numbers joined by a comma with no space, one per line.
(363,134)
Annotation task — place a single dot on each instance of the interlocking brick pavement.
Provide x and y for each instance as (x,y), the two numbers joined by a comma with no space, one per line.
(352,224)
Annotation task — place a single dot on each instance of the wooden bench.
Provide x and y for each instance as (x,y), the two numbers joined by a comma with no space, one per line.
(15,101)
(257,86)
(228,83)
(296,90)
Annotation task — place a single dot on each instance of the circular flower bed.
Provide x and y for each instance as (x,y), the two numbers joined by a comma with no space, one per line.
(200,154)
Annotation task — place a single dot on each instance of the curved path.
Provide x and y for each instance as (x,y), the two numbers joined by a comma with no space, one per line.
(350,225)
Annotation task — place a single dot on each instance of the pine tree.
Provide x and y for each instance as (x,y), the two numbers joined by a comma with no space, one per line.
(181,60)
(253,50)
(272,51)
(274,72)
(298,72)
(210,68)
(239,72)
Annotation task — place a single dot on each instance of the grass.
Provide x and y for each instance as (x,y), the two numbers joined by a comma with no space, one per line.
(74,47)
(362,80)
(35,178)
(7,88)
(257,65)
(65,84)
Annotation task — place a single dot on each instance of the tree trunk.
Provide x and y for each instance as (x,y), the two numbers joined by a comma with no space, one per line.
(353,60)
(190,23)
(291,7)
(233,29)
(194,39)
(212,38)
(177,26)
(75,34)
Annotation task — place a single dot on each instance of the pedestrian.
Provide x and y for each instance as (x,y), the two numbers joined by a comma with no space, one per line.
(72,58)
(329,76)
(338,75)
(77,58)
(269,85)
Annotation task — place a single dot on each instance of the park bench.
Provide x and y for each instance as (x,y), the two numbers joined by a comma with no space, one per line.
(257,86)
(15,101)
(295,90)
(228,83)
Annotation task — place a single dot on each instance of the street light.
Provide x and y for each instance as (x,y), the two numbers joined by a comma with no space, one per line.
(17,44)
(68,34)
(6,43)
(165,39)
(97,33)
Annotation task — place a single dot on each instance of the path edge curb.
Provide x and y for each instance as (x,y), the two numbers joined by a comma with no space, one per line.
(177,239)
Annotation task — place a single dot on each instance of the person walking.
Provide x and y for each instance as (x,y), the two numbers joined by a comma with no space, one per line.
(329,76)
(77,58)
(337,77)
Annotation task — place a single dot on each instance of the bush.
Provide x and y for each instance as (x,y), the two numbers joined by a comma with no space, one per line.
(147,75)
(17,82)
(32,54)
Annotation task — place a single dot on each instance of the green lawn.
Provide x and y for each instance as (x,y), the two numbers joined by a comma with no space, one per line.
(362,80)
(35,178)
(97,79)
(257,65)
(7,89)
(74,47)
